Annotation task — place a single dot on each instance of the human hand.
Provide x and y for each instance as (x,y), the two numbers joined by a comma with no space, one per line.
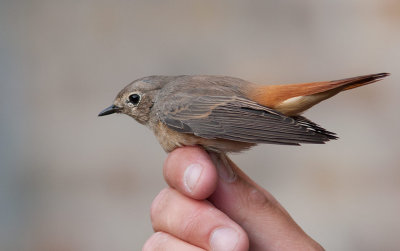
(211,204)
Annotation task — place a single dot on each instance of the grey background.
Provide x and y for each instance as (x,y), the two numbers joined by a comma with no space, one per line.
(72,181)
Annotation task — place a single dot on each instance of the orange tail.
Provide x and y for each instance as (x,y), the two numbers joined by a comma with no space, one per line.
(294,99)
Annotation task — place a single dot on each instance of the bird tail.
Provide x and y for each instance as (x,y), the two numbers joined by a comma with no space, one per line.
(293,99)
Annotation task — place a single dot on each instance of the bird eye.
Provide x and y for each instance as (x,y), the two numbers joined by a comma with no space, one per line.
(134,98)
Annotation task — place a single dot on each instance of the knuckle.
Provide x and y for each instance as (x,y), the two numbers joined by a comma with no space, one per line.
(257,200)
(193,222)
(168,164)
(256,197)
(155,242)
(158,204)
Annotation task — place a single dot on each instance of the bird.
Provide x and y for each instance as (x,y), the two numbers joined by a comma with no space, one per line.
(227,115)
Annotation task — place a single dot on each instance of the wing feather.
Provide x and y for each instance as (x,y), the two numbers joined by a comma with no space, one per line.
(239,119)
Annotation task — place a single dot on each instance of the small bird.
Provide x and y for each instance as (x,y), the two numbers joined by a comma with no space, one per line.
(226,114)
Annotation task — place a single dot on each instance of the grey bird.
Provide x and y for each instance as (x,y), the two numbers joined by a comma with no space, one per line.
(226,114)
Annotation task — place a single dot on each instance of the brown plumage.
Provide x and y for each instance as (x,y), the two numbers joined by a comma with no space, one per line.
(225,114)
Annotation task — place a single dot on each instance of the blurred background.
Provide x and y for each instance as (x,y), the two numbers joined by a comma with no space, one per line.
(72,181)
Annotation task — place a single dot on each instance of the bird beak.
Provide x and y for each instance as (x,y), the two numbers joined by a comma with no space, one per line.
(110,110)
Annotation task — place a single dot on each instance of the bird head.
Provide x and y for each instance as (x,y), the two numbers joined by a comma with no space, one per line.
(137,98)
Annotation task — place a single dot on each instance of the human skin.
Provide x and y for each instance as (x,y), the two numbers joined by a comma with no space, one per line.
(212,205)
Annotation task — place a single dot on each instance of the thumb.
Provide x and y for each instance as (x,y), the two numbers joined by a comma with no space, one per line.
(267,223)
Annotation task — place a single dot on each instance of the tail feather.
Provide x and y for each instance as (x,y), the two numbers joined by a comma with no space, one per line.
(293,99)
(363,80)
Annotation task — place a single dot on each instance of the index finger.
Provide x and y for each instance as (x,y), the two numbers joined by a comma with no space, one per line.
(191,171)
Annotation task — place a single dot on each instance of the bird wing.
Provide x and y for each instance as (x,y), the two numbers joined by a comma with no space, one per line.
(236,118)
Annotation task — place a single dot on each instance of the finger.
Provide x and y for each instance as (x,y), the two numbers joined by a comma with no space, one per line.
(265,221)
(191,171)
(196,222)
(160,241)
